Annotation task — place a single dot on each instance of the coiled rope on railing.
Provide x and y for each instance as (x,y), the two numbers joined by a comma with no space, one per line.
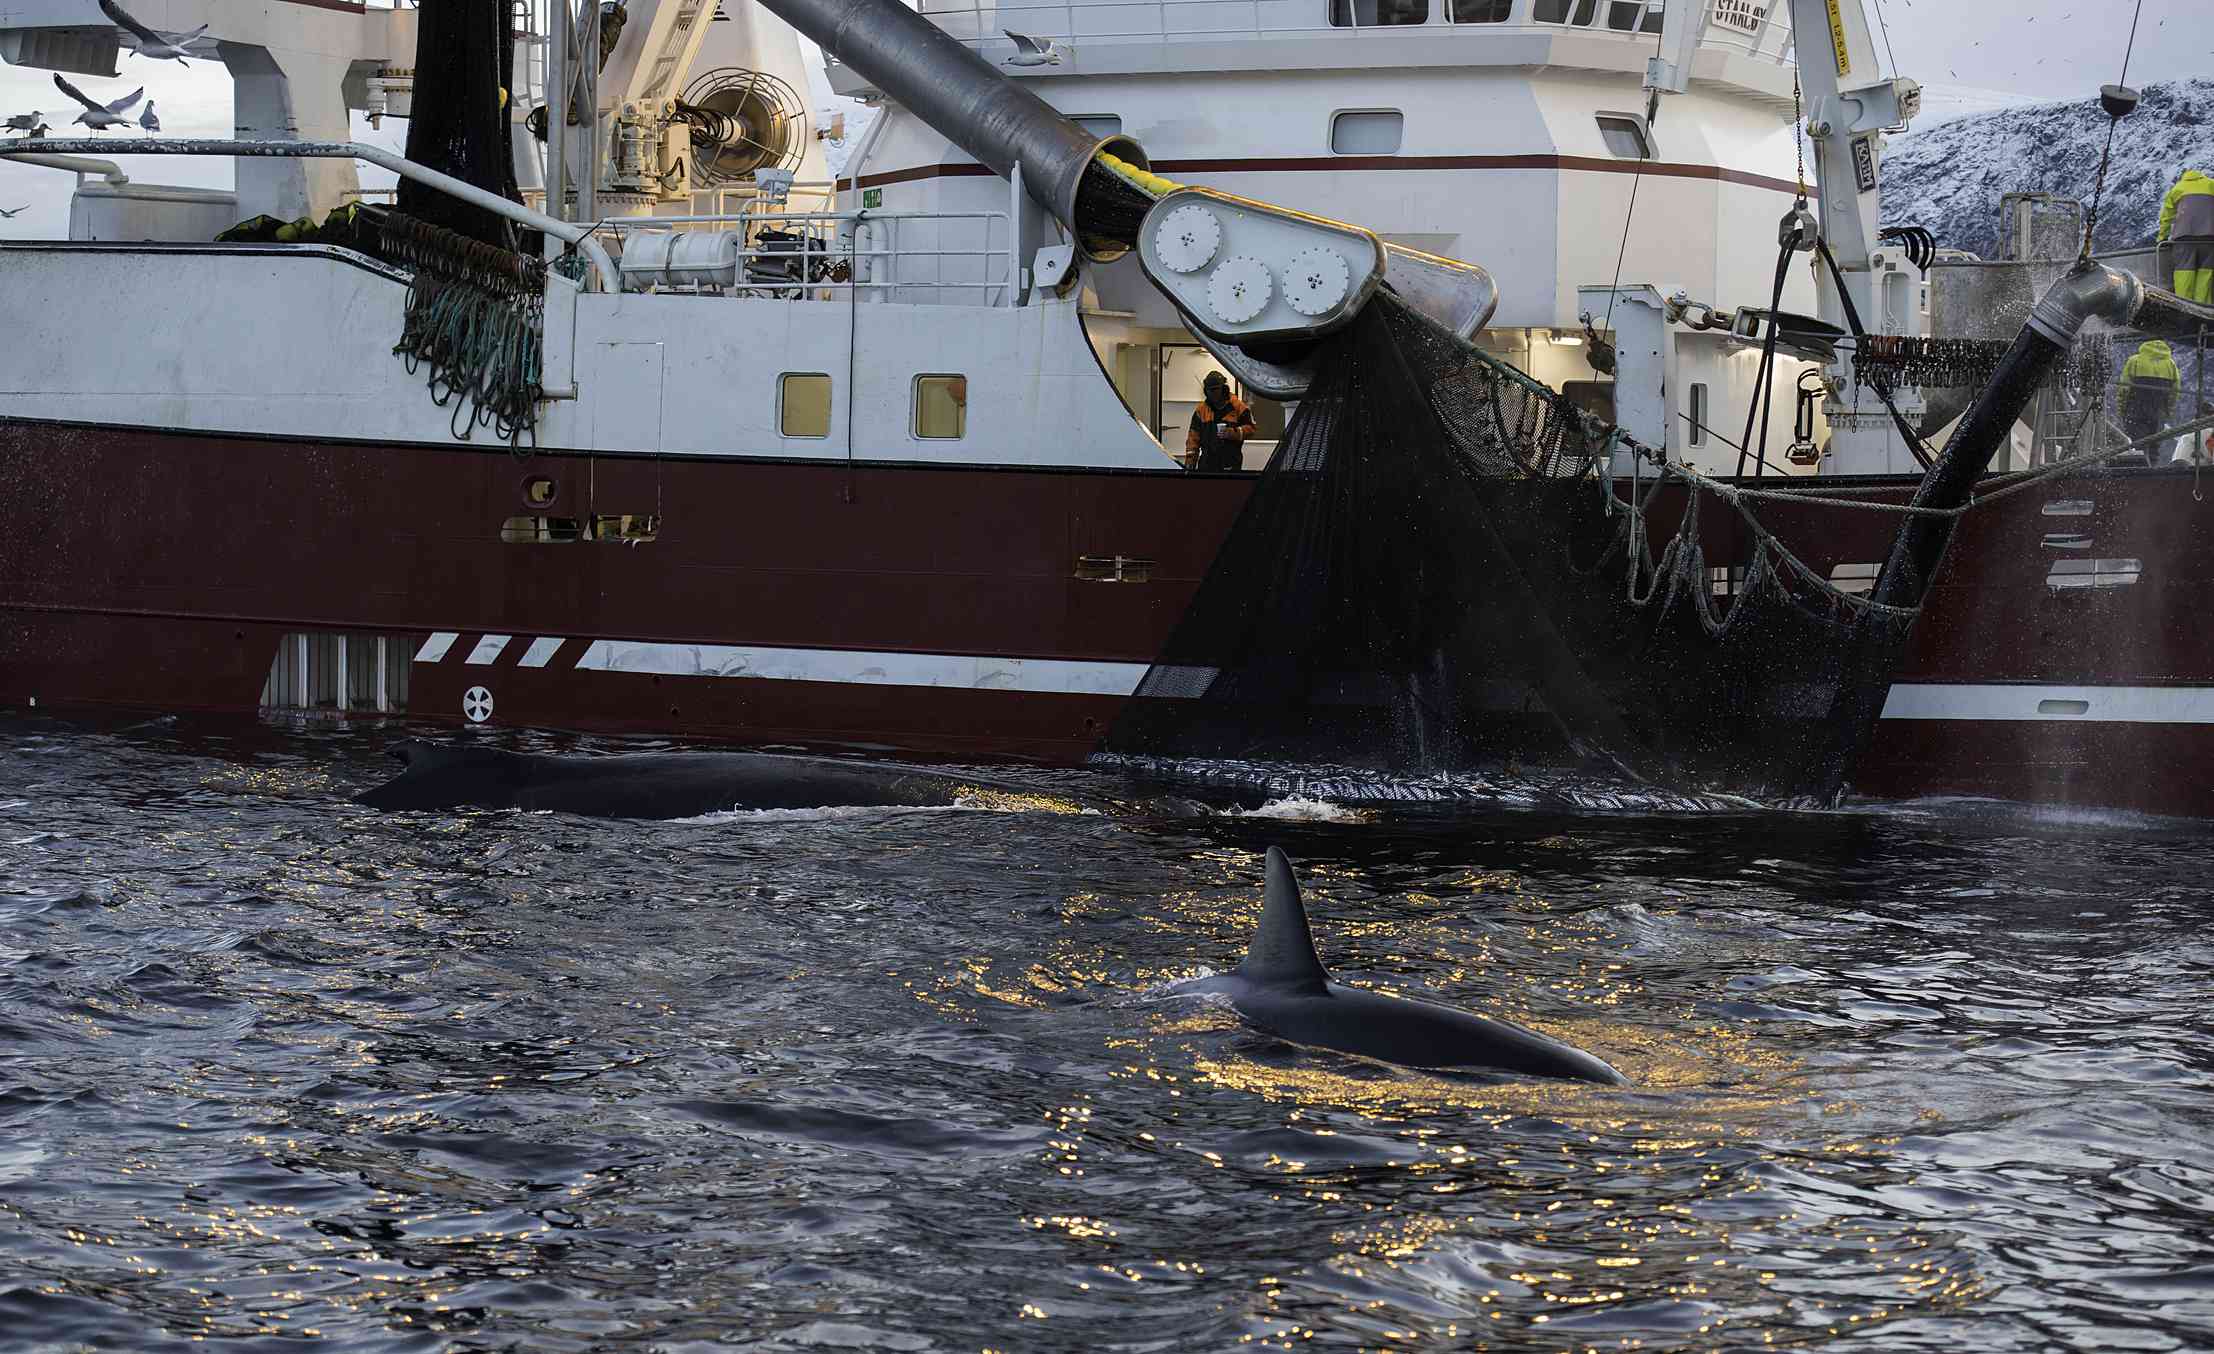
(476,318)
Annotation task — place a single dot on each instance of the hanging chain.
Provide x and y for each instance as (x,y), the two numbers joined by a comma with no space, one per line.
(2114,124)
(1798,133)
(2098,190)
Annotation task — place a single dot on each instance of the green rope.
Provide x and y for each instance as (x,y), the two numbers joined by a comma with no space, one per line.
(476,318)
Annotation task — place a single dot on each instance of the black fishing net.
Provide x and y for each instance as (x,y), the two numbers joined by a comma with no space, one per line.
(459,124)
(1435,573)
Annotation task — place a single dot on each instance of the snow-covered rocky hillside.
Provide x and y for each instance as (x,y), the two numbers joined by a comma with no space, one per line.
(1950,177)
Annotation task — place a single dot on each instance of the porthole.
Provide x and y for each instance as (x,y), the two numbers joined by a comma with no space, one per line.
(539,491)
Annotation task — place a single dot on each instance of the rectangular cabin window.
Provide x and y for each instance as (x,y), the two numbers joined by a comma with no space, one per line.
(1101,125)
(1625,138)
(803,404)
(1698,412)
(1578,13)
(1479,11)
(1367,132)
(941,406)
(1378,13)
(1631,16)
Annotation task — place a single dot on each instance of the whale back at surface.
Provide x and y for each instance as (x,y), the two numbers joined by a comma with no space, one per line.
(646,785)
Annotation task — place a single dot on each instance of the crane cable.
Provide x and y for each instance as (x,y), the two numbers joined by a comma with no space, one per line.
(1652,114)
(2114,124)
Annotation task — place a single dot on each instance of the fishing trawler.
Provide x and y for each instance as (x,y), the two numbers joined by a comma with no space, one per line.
(894,461)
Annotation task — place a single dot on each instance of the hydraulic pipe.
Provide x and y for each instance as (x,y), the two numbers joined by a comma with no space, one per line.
(580,236)
(106,169)
(957,92)
(556,104)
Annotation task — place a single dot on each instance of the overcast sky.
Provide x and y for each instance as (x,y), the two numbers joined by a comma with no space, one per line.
(1972,54)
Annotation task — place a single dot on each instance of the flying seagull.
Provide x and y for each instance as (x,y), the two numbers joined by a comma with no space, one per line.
(147,118)
(99,117)
(6,215)
(26,122)
(1030,51)
(160,46)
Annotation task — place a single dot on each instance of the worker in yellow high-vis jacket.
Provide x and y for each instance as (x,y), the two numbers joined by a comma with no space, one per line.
(2148,389)
(2187,222)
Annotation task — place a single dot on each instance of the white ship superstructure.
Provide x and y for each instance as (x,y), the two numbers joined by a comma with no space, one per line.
(1516,133)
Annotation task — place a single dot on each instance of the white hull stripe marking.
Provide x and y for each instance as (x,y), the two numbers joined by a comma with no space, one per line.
(1907,700)
(488,649)
(2052,704)
(1052,675)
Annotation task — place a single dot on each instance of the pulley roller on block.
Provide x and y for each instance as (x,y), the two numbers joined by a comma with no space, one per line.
(1246,272)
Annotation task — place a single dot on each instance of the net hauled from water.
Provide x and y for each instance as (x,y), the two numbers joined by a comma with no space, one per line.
(1435,574)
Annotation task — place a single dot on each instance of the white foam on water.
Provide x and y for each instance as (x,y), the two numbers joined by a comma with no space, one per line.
(1968,809)
(1302,810)
(1183,989)
(833,814)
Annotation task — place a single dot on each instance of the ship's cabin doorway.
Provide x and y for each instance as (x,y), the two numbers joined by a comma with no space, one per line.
(1159,374)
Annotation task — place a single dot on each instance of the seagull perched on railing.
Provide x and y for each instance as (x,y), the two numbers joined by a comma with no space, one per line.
(1030,51)
(99,116)
(33,121)
(147,118)
(160,46)
(7,215)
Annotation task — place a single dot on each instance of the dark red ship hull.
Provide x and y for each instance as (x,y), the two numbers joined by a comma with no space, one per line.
(957,611)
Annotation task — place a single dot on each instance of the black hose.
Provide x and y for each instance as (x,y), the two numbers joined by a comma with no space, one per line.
(1763,394)
(1921,544)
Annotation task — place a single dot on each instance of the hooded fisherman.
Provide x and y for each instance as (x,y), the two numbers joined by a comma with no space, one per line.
(2149,384)
(1220,426)
(2187,222)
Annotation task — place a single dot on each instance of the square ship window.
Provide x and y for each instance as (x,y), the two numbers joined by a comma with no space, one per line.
(941,406)
(1479,11)
(803,404)
(1625,138)
(1373,132)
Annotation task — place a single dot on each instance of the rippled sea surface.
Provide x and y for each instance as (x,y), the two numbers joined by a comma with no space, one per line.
(277,1068)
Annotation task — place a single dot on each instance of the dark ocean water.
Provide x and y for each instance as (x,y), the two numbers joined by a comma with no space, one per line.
(274,1068)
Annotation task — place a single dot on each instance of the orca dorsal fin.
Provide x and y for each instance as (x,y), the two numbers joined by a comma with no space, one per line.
(1283,952)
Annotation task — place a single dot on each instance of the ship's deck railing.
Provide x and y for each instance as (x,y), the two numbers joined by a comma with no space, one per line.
(982,25)
(884,255)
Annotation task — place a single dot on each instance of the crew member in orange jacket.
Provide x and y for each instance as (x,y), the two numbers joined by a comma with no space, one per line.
(1220,425)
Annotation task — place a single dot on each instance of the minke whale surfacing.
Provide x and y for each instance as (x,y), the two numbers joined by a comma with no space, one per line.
(1283,989)
(651,785)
